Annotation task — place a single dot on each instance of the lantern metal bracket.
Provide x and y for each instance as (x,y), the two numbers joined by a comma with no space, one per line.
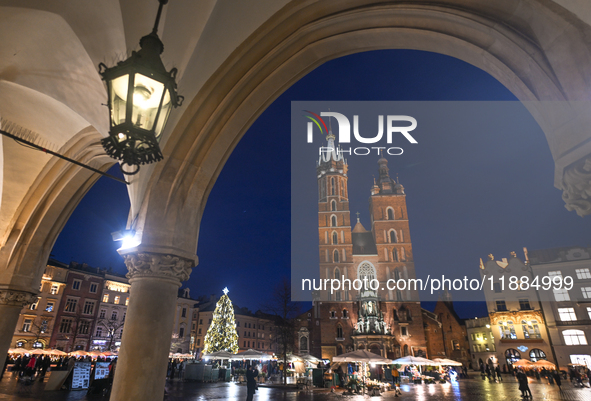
(33,145)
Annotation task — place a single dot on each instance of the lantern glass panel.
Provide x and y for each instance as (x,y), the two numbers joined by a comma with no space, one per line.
(147,95)
(118,89)
(166,108)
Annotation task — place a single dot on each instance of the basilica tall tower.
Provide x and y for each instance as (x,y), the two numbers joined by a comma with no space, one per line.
(334,220)
(386,321)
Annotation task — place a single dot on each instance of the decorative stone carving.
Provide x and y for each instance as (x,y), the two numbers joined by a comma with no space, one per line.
(576,185)
(146,264)
(16,298)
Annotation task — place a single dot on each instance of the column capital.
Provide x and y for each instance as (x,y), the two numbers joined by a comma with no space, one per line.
(158,265)
(576,183)
(16,298)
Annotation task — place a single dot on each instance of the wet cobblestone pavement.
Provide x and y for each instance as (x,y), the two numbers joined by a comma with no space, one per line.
(472,389)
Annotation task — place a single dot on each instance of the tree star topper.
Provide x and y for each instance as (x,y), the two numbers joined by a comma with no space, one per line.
(225,290)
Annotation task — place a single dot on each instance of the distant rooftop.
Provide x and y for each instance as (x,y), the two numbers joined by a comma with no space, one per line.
(563,254)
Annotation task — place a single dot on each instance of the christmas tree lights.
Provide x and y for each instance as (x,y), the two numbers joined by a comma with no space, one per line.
(222,335)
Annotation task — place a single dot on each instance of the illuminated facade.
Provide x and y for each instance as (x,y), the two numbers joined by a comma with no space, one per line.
(516,317)
(36,321)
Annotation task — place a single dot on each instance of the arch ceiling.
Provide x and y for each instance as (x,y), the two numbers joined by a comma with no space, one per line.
(234,58)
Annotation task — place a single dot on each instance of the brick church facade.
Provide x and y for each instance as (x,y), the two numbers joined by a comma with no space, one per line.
(386,322)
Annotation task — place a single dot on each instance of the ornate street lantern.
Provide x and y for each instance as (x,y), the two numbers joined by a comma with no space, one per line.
(141,96)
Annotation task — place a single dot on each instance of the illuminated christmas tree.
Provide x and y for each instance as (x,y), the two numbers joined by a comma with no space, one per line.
(221,335)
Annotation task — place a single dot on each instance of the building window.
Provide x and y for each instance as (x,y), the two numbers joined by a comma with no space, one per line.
(395,255)
(537,355)
(455,345)
(393,237)
(38,344)
(405,350)
(589,311)
(71,305)
(65,325)
(336,256)
(403,331)
(49,307)
(339,331)
(99,331)
(583,273)
(303,343)
(76,284)
(507,330)
(34,304)
(567,314)
(333,221)
(335,238)
(116,301)
(93,287)
(54,289)
(106,298)
(333,314)
(181,332)
(333,206)
(102,314)
(390,214)
(199,331)
(198,341)
(184,312)
(126,301)
(586,292)
(561,295)
(524,304)
(84,327)
(574,337)
(531,329)
(345,314)
(555,273)
(497,287)
(114,315)
(501,306)
(88,308)
(27,325)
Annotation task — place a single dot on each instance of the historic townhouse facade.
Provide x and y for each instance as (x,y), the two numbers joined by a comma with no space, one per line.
(36,321)
(567,311)
(108,328)
(516,317)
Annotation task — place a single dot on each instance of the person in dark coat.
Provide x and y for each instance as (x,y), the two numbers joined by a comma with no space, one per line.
(251,384)
(523,384)
(557,379)
(498,370)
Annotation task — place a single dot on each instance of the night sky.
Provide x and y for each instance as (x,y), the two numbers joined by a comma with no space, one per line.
(468,197)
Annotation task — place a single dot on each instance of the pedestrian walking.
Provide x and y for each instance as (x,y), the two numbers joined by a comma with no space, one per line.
(498,371)
(557,379)
(251,384)
(396,382)
(523,384)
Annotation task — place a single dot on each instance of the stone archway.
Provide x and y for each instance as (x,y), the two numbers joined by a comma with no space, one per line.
(536,48)
(509,41)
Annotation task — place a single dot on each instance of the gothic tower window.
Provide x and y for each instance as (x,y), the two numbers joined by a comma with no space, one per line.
(333,206)
(403,254)
(333,221)
(395,255)
(345,314)
(332,186)
(396,275)
(393,237)
(398,295)
(366,273)
(405,350)
(335,238)
(337,273)
(390,214)
(336,256)
(339,331)
(322,189)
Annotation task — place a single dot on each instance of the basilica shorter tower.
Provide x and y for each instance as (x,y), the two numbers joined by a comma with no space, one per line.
(386,322)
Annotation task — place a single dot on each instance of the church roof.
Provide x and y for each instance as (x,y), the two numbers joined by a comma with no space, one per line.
(359,228)
(363,243)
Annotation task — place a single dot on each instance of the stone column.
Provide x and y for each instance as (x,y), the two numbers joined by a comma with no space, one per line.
(143,358)
(11,303)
